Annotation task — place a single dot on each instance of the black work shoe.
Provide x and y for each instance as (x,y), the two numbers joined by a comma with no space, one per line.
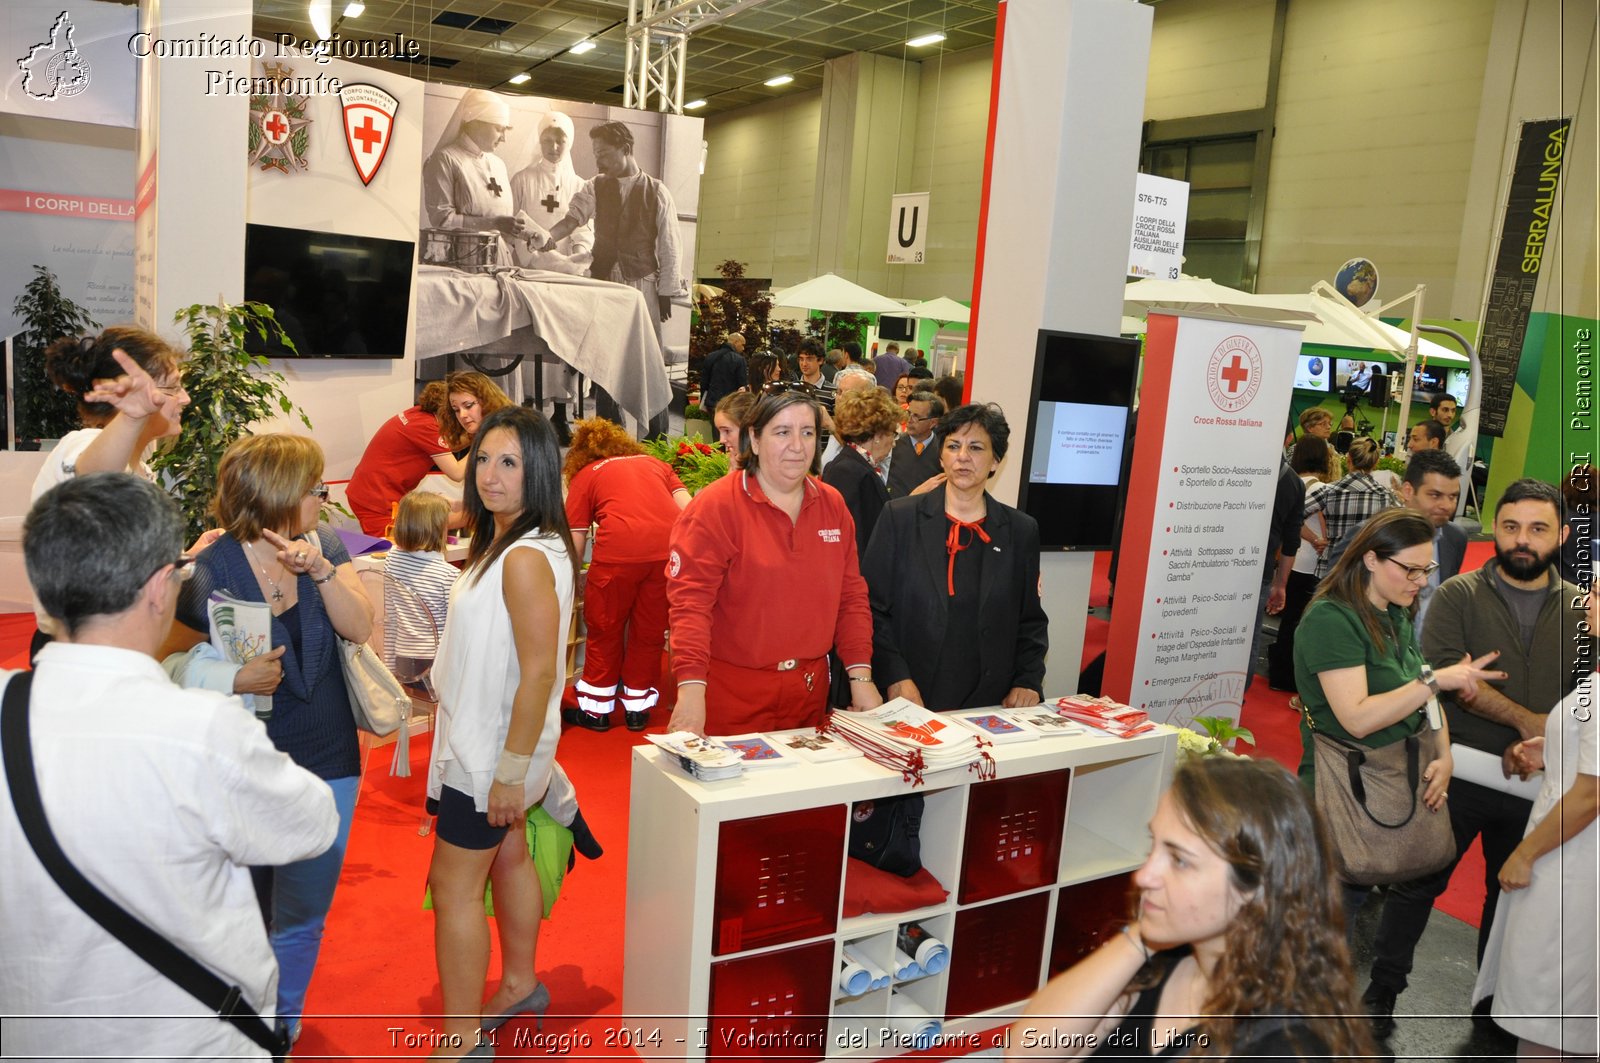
(1379,1004)
(592,721)
(637,721)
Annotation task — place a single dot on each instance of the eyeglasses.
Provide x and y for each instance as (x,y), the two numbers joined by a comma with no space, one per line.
(914,419)
(170,389)
(183,568)
(1414,573)
(319,491)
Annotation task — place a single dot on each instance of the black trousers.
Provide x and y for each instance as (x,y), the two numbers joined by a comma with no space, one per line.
(1280,655)
(1475,811)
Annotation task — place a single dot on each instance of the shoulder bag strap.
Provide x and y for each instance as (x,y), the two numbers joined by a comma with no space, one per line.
(186,972)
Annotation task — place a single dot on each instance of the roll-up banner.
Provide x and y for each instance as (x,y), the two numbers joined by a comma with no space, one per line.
(1213,406)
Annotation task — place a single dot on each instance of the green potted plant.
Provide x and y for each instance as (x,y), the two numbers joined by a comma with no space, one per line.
(229,390)
(697,423)
(42,410)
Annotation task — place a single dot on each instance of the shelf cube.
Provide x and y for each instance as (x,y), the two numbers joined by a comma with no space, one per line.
(772,1004)
(1013,836)
(996,954)
(778,878)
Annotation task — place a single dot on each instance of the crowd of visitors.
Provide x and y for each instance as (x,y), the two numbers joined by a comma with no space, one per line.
(853,553)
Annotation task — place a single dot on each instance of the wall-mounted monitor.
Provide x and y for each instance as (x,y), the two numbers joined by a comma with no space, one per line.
(1313,373)
(1075,455)
(336,296)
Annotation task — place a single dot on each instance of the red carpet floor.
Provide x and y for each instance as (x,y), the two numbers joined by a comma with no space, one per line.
(376,981)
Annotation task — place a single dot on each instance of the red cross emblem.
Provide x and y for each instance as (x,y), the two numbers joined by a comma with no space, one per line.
(275,127)
(1233,376)
(368,126)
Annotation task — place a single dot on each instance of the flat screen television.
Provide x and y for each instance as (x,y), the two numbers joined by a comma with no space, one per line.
(1313,373)
(1075,456)
(336,296)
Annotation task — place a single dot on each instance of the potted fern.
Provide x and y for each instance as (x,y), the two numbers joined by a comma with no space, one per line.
(229,390)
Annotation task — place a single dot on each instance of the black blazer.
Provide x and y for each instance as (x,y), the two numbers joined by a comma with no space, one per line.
(907,468)
(1452,550)
(851,475)
(905,566)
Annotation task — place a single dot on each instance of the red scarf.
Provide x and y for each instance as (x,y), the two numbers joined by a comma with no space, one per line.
(953,544)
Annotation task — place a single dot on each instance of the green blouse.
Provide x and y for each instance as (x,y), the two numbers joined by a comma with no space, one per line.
(1331,636)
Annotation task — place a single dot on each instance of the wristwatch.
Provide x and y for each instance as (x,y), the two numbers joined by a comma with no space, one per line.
(1429,679)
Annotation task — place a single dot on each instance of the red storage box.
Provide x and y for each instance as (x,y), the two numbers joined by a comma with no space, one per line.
(1013,835)
(778,878)
(772,1005)
(1086,915)
(995,954)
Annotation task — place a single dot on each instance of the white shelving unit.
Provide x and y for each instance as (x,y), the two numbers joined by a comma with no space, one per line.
(735,891)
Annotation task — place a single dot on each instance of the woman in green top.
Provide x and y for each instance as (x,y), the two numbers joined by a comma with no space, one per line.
(1356,662)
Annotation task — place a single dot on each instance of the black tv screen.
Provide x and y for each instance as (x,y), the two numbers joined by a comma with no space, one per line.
(336,296)
(1075,456)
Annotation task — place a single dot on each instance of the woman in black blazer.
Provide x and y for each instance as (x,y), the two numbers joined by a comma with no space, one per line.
(953,576)
(865,420)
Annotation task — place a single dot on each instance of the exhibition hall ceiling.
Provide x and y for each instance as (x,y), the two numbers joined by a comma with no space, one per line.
(484,43)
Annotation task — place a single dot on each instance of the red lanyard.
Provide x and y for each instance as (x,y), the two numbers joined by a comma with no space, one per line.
(954,545)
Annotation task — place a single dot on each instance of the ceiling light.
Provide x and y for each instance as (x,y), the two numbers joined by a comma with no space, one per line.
(781,79)
(354,9)
(925,40)
(694,105)
(521,79)
(581,47)
(320,13)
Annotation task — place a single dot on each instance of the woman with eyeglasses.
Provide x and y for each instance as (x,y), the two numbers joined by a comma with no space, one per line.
(273,550)
(129,393)
(1358,668)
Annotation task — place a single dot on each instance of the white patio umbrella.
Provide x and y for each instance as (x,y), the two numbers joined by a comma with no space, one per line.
(942,310)
(1197,293)
(832,294)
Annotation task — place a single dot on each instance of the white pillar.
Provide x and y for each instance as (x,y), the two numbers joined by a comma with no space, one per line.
(1053,240)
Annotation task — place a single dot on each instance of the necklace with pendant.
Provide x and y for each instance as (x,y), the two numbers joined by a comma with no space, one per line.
(277,594)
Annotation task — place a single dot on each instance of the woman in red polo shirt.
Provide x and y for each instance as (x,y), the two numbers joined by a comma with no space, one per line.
(633,498)
(405,448)
(763,581)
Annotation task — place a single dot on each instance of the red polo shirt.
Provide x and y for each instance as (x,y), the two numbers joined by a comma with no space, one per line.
(399,455)
(630,497)
(748,586)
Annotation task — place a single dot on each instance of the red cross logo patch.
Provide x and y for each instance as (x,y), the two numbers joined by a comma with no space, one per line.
(1234,376)
(368,125)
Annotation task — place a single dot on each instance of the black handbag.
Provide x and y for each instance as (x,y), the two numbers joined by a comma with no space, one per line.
(185,971)
(887,833)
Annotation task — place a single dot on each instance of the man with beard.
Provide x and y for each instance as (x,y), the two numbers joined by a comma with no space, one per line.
(542,190)
(635,231)
(1517,604)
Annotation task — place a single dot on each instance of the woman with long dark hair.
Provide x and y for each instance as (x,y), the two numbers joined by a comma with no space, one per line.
(1358,668)
(499,675)
(1236,947)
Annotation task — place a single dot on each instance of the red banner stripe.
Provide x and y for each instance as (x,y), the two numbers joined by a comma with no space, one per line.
(66,204)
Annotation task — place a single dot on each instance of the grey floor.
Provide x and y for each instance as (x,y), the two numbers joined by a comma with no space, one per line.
(1431,1018)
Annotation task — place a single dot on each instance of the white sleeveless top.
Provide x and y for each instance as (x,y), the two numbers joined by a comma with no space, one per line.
(476,675)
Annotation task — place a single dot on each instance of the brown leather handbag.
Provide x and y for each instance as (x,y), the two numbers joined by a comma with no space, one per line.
(1370,801)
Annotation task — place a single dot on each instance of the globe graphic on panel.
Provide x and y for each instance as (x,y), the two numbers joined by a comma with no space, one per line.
(1357,281)
(1314,366)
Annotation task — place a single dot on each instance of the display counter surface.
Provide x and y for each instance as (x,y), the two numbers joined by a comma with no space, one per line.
(601,329)
(738,921)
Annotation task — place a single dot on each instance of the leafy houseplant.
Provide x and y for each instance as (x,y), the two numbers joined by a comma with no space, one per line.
(43,411)
(1213,737)
(697,463)
(229,390)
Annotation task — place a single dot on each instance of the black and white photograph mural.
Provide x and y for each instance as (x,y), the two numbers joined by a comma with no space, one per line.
(557,239)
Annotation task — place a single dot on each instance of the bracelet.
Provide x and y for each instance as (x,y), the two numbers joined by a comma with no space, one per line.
(861,679)
(512,768)
(1138,944)
(332,572)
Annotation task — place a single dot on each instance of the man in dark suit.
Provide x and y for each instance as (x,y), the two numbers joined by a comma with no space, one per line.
(916,453)
(1432,486)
